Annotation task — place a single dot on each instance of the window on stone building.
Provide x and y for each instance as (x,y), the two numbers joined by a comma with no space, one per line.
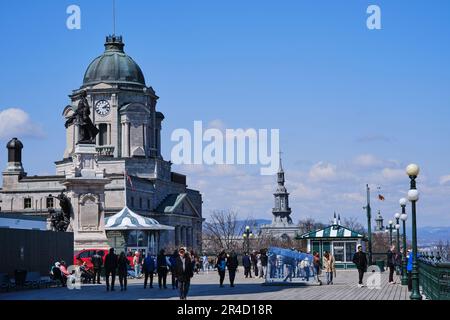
(140,203)
(148,203)
(27,203)
(132,202)
(103,134)
(49,202)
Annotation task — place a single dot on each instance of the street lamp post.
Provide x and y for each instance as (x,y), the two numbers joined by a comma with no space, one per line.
(369,224)
(247,235)
(404,217)
(413,196)
(397,227)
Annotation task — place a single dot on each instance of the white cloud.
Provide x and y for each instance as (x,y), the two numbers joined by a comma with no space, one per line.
(393,174)
(444,179)
(15,122)
(322,171)
(304,192)
(353,197)
(367,160)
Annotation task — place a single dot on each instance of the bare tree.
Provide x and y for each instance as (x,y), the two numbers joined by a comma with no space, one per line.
(353,224)
(309,224)
(223,231)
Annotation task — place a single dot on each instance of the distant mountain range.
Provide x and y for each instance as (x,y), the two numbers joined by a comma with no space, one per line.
(425,235)
(431,235)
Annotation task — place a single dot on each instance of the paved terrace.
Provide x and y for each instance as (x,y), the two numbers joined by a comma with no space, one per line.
(205,287)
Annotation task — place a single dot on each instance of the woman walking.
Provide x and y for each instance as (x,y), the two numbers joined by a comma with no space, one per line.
(137,265)
(329,266)
(184,272)
(221,266)
(122,270)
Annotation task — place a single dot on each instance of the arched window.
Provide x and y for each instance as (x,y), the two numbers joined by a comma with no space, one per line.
(103,134)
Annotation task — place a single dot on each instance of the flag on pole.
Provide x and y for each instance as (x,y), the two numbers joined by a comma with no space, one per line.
(380,196)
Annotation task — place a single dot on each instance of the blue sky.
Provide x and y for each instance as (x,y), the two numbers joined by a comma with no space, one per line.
(354,106)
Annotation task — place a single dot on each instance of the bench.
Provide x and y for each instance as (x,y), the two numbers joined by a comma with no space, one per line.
(6,282)
(33,280)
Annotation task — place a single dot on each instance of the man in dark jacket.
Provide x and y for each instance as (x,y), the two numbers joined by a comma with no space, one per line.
(163,268)
(360,259)
(391,257)
(111,260)
(149,270)
(232,265)
(247,263)
(264,262)
(184,272)
(254,261)
(97,263)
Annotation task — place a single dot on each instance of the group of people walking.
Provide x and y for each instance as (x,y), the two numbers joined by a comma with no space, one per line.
(179,264)
(256,261)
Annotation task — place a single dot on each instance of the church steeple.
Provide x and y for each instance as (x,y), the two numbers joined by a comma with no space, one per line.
(281,179)
(379,222)
(281,211)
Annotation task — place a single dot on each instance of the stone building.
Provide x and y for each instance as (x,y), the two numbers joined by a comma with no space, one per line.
(128,146)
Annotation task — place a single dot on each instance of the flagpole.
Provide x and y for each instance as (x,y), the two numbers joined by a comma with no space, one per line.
(369,224)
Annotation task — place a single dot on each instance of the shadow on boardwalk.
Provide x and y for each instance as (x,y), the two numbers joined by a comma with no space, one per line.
(205,287)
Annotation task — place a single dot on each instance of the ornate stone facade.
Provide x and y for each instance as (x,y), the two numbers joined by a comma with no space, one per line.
(127,154)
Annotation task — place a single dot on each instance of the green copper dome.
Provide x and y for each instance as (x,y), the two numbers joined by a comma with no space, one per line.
(114,66)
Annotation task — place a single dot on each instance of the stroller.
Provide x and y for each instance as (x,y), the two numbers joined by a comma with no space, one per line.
(86,275)
(131,274)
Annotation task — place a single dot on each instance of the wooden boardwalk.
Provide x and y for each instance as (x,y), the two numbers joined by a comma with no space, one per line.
(205,287)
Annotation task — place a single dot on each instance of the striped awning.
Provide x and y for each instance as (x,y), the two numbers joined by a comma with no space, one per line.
(333,231)
(128,220)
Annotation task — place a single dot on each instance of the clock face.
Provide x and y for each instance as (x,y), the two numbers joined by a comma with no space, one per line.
(102,107)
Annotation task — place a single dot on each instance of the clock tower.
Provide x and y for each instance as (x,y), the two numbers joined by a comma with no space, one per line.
(123,108)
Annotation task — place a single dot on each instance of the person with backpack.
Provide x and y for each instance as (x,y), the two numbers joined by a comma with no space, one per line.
(304,265)
(232,265)
(148,267)
(97,263)
(110,268)
(360,259)
(221,264)
(122,270)
(162,266)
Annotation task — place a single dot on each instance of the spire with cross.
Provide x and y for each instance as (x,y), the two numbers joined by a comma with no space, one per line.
(281,211)
(280,173)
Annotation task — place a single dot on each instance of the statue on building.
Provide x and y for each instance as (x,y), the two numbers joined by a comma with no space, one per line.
(81,117)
